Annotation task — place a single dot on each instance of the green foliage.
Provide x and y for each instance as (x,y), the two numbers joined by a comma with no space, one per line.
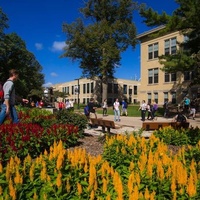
(171,136)
(98,44)
(14,54)
(69,117)
(180,137)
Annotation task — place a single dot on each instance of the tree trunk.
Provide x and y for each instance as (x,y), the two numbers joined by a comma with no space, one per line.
(104,90)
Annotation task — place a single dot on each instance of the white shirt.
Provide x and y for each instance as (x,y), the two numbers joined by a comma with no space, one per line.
(116,105)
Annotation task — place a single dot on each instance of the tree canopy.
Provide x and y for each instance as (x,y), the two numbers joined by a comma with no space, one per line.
(14,54)
(186,19)
(98,43)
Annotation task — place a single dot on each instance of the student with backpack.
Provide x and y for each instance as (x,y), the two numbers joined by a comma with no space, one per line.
(8,105)
(124,108)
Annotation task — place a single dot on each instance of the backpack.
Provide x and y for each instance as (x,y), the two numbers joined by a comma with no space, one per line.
(1,92)
(86,110)
(181,118)
(125,105)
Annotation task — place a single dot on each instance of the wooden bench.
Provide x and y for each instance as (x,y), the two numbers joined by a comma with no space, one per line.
(156,125)
(104,124)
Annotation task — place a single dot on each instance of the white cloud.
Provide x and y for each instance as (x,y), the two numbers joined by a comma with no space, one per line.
(39,46)
(58,46)
(49,84)
(54,74)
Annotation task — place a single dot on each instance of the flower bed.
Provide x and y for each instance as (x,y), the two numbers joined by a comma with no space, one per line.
(131,168)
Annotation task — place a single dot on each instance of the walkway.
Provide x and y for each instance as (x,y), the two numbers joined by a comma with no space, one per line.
(131,124)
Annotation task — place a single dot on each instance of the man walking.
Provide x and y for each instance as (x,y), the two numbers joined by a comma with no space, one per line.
(8,105)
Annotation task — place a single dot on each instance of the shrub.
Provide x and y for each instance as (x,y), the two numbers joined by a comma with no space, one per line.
(179,137)
(77,119)
(23,139)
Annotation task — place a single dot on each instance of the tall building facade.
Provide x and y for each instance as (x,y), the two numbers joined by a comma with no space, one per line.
(156,84)
(83,89)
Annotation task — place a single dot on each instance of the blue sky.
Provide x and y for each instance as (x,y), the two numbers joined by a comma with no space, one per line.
(39,24)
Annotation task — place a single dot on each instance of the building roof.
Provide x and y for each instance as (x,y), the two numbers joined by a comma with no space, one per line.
(140,36)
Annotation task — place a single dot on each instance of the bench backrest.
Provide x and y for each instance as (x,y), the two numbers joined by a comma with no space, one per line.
(108,123)
(96,121)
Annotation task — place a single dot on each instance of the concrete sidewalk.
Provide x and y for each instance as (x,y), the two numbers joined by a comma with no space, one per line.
(130,124)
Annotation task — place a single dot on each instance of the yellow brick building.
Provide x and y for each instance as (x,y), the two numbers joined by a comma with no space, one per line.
(155,83)
(117,88)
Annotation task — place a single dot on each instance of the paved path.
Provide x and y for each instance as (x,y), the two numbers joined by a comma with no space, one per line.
(131,124)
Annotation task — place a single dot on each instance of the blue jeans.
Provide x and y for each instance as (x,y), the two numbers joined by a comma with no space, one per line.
(13,114)
(117,115)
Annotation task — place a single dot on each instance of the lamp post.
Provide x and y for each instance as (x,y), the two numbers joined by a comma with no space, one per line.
(78,91)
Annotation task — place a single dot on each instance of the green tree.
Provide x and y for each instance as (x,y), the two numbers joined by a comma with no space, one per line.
(97,46)
(186,19)
(15,55)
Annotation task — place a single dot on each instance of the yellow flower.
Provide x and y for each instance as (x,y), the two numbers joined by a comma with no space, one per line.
(1,168)
(58,180)
(18,178)
(92,195)
(31,172)
(146,194)
(173,184)
(12,190)
(104,185)
(79,188)
(191,188)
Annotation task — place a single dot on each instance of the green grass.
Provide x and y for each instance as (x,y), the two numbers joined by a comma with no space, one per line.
(132,111)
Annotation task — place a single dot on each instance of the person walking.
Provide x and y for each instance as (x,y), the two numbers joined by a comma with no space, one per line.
(124,108)
(192,109)
(149,110)
(166,108)
(116,106)
(8,105)
(143,108)
(92,107)
(154,109)
(186,105)
(105,106)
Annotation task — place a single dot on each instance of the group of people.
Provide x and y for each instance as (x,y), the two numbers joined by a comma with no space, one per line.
(149,108)
(189,107)
(90,108)
(69,105)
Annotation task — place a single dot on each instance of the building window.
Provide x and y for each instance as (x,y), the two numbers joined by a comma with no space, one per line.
(149,97)
(156,97)
(124,89)
(169,77)
(72,89)
(115,88)
(84,88)
(173,97)
(188,76)
(88,88)
(135,90)
(153,76)
(130,91)
(153,51)
(110,88)
(170,46)
(92,87)
(166,96)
